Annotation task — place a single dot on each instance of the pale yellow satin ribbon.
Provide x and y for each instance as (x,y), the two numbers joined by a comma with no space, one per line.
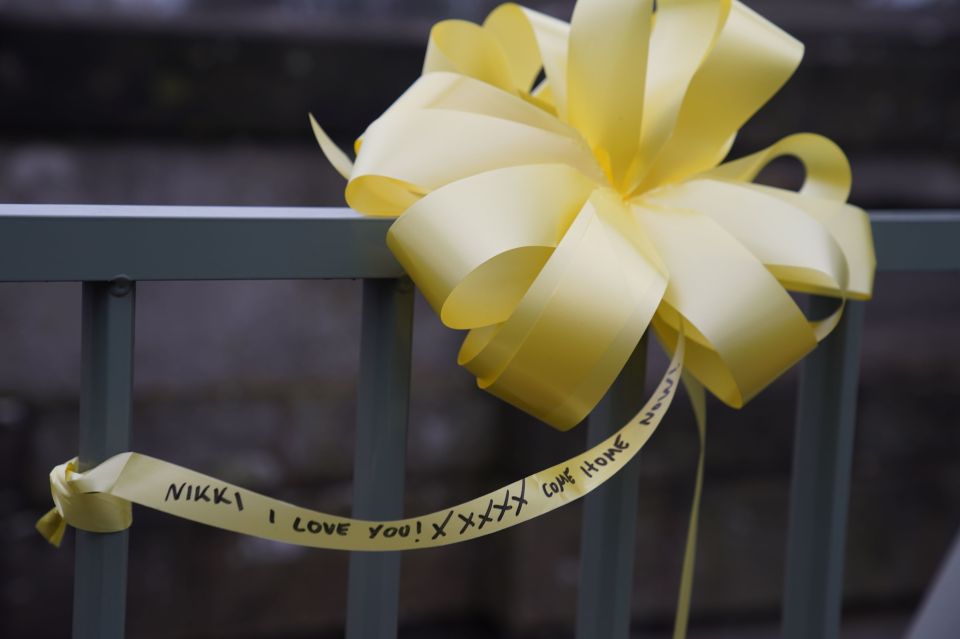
(99,499)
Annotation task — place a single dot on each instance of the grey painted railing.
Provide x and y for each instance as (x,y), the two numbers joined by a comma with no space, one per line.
(110,248)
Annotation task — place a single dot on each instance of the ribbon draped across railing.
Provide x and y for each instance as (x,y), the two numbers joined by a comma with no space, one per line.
(99,500)
(557,220)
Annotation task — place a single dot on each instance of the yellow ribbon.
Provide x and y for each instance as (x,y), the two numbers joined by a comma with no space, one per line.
(99,499)
(78,502)
(558,221)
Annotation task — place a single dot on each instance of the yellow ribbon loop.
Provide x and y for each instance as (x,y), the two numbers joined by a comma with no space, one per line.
(77,506)
(609,43)
(523,41)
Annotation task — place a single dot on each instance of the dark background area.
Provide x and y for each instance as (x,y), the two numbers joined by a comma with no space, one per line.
(205,102)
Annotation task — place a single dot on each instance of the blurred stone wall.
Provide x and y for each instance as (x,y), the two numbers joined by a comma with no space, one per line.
(179,102)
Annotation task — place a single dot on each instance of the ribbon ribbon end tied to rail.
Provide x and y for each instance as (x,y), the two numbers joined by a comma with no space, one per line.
(80,500)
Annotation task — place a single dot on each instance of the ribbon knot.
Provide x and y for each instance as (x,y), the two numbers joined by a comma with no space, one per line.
(91,511)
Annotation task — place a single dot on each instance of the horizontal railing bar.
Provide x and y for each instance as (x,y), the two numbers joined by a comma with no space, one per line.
(917,240)
(58,242)
(98,243)
(168,212)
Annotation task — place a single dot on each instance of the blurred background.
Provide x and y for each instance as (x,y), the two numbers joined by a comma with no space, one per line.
(205,102)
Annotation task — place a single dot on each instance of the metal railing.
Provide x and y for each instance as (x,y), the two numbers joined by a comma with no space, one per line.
(111,248)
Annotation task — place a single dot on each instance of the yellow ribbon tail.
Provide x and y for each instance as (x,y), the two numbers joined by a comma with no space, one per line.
(99,499)
(52,527)
(698,400)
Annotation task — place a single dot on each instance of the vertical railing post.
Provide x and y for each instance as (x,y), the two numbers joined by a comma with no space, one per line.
(383,399)
(820,489)
(610,517)
(100,575)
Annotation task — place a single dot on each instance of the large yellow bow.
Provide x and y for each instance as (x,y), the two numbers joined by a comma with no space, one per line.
(558,220)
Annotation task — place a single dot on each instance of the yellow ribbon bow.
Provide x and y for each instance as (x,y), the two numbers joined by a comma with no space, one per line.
(558,220)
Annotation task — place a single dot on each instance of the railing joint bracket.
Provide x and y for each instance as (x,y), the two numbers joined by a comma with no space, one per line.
(121,286)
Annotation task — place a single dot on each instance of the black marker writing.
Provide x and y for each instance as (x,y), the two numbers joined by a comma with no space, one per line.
(505,506)
(668,385)
(520,500)
(438,531)
(201,492)
(589,468)
(316,527)
(559,484)
(485,517)
(467,522)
